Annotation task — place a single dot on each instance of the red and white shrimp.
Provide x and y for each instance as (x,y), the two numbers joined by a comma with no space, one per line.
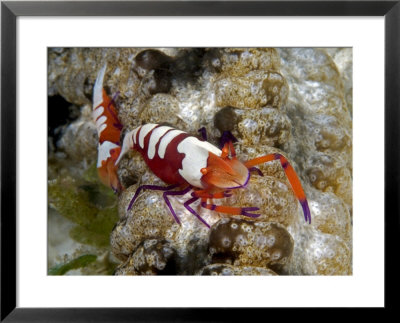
(184,161)
(187,163)
(109,131)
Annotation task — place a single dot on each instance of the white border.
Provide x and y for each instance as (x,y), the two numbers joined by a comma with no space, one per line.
(364,288)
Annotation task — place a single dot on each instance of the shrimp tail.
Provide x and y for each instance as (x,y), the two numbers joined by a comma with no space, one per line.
(109,131)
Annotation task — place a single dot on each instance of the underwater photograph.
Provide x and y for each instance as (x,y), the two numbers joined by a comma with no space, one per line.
(200,161)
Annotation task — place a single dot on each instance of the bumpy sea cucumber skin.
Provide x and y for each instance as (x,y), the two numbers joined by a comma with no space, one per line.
(293,101)
(229,270)
(152,257)
(248,243)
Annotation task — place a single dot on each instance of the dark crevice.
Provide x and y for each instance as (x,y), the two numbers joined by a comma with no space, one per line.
(60,113)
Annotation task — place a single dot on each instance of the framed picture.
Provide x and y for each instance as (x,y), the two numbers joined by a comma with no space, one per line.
(323,74)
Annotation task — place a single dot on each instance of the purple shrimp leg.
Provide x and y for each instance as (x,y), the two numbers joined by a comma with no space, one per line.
(115,97)
(256,169)
(226,137)
(165,195)
(117,125)
(187,203)
(203,133)
(150,187)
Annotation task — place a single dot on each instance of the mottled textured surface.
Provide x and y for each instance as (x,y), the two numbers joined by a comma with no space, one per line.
(241,242)
(229,270)
(151,257)
(293,101)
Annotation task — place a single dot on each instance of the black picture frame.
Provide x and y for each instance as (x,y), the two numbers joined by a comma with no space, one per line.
(10,10)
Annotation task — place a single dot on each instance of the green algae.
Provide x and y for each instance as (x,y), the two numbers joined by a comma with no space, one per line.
(86,202)
(103,266)
(80,262)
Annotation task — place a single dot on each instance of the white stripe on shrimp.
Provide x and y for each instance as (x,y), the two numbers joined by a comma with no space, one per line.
(165,141)
(196,155)
(104,151)
(101,124)
(154,138)
(129,142)
(97,112)
(144,130)
(98,87)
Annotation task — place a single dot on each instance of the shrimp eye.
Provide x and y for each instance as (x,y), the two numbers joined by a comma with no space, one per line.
(203,171)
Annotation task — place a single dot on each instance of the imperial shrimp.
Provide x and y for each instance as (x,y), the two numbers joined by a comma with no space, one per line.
(184,162)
